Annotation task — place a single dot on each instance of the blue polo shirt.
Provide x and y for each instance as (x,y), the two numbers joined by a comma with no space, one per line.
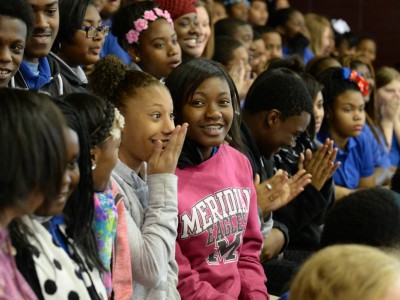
(395,152)
(379,150)
(307,56)
(111,46)
(356,161)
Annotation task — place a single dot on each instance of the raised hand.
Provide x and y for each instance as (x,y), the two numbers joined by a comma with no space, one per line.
(165,160)
(321,165)
(278,190)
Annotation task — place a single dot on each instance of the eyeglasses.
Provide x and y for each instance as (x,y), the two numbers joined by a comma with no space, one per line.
(91,32)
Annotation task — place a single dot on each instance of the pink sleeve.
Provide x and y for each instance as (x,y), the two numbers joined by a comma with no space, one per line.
(250,269)
(190,286)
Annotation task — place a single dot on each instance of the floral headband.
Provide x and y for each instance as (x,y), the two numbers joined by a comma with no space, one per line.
(353,76)
(141,24)
(118,125)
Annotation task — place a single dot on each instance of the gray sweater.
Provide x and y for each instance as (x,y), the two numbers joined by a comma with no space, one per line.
(151,214)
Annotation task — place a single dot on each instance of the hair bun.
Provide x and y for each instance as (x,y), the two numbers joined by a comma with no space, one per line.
(108,73)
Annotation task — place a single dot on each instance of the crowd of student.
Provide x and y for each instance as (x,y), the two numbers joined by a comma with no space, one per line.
(182,149)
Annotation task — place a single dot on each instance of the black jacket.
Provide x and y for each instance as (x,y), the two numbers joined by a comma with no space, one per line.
(57,86)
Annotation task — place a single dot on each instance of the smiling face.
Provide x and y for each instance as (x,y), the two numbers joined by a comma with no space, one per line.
(209,114)
(188,31)
(348,116)
(12,45)
(318,111)
(367,48)
(259,56)
(148,118)
(278,133)
(159,52)
(82,50)
(70,179)
(204,23)
(45,30)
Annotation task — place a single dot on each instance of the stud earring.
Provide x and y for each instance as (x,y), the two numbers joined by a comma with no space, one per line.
(94,166)
(137,59)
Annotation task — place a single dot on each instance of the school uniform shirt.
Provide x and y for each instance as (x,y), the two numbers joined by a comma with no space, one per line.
(394,152)
(380,153)
(356,161)
(219,238)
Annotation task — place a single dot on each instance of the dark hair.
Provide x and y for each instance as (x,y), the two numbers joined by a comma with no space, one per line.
(256,36)
(19,9)
(33,152)
(264,29)
(112,80)
(395,182)
(228,26)
(334,86)
(281,16)
(270,91)
(353,62)
(72,14)
(350,37)
(124,18)
(185,80)
(97,113)
(365,37)
(318,64)
(79,209)
(224,47)
(369,217)
(294,63)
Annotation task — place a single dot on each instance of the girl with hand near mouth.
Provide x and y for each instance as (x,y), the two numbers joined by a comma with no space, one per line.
(79,41)
(219,237)
(144,174)
(343,123)
(147,33)
(56,248)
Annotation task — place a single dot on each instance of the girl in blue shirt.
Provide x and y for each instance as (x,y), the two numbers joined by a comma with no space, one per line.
(343,122)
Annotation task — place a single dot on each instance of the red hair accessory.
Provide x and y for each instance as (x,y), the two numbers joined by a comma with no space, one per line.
(355,77)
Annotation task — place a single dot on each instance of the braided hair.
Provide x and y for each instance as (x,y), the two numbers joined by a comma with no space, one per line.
(79,209)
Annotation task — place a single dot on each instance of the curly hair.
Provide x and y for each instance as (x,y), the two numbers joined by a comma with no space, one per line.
(112,80)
